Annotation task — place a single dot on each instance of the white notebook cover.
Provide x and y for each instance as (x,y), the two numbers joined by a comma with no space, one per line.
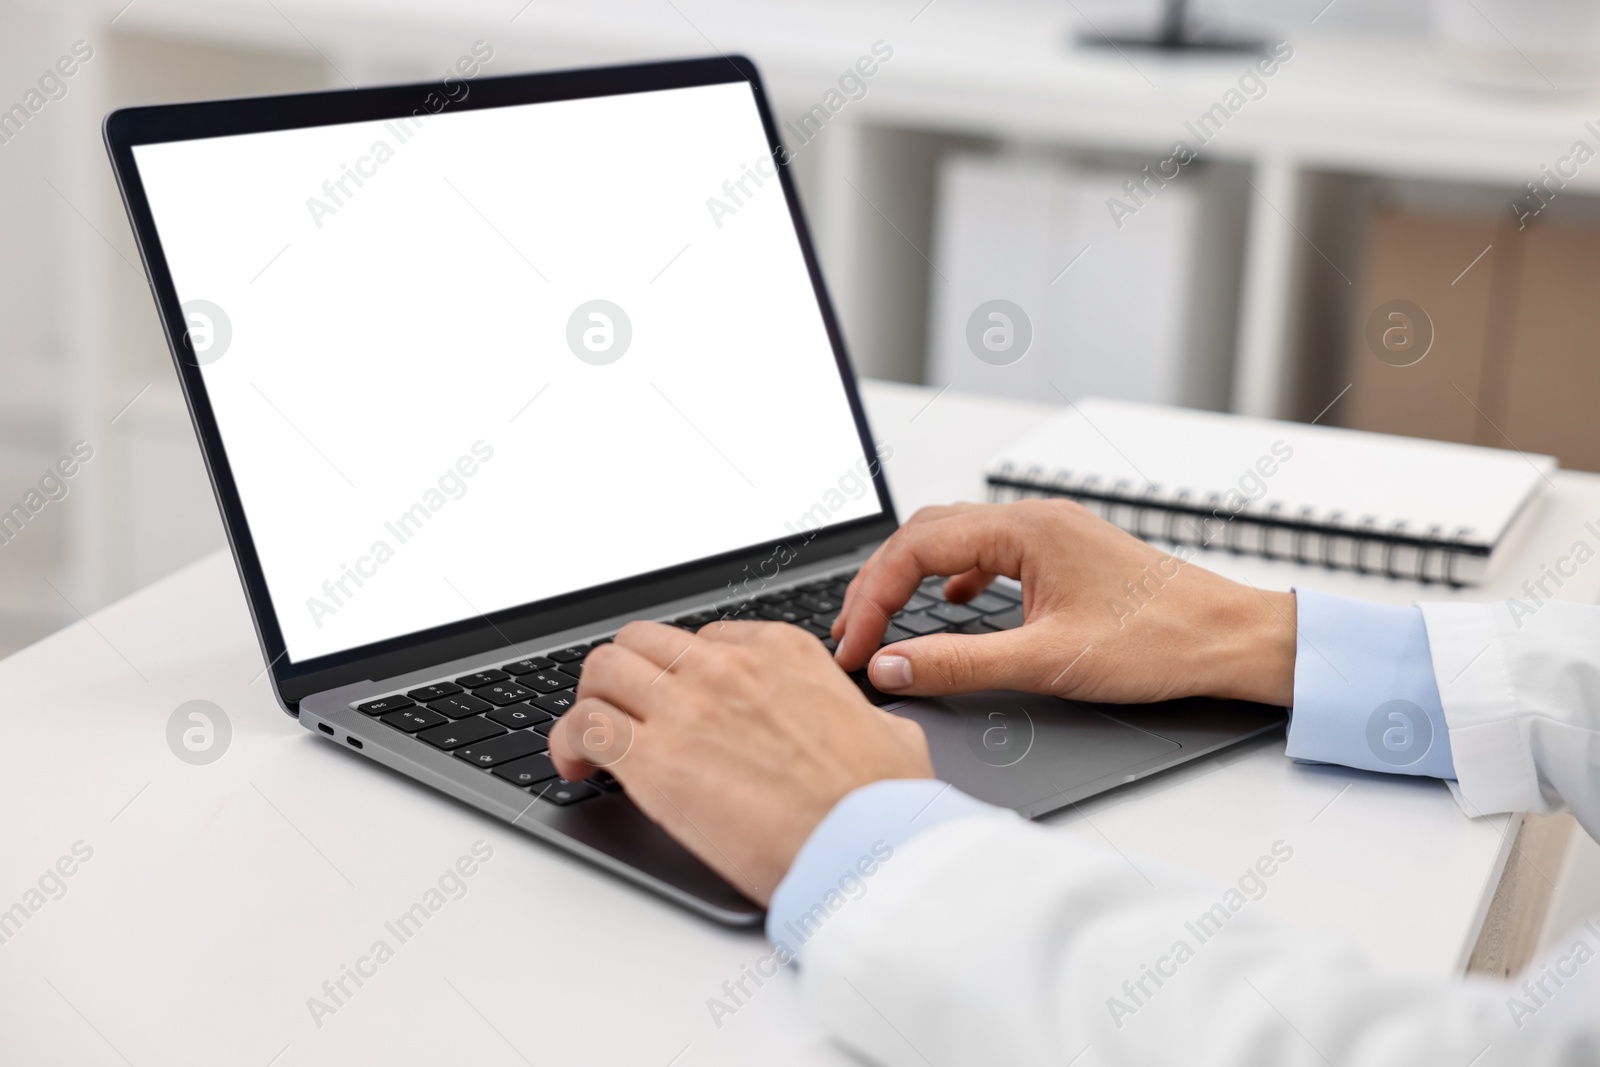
(1333,476)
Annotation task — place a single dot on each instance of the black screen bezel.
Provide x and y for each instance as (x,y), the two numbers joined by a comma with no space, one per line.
(129,127)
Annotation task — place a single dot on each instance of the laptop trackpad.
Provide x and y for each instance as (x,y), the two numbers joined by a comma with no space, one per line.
(1031,753)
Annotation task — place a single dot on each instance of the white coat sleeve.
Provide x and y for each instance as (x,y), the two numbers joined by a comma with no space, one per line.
(987,940)
(1520,687)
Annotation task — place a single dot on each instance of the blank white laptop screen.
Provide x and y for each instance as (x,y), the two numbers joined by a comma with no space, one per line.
(474,361)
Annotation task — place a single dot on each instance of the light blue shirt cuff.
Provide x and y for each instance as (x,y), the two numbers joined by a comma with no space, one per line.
(836,864)
(1364,691)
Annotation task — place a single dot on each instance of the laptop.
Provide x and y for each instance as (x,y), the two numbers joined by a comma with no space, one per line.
(483,370)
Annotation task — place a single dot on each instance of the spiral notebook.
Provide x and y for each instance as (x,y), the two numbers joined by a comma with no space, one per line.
(1375,503)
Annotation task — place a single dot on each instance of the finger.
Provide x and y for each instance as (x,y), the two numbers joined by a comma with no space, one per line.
(941,664)
(635,683)
(593,734)
(966,585)
(979,539)
(934,512)
(569,764)
(851,607)
(655,641)
(735,631)
(929,513)
(852,592)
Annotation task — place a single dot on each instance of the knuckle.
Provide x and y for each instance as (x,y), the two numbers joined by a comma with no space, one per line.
(1050,511)
(720,633)
(955,659)
(600,659)
(733,670)
(785,639)
(741,660)
(634,629)
(794,637)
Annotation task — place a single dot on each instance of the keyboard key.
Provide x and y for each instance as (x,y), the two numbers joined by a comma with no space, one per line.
(413,719)
(466,732)
(574,669)
(530,770)
(1006,620)
(562,792)
(543,728)
(597,642)
(545,681)
(459,707)
(529,665)
(1005,592)
(977,626)
(383,704)
(518,715)
(434,692)
(954,613)
(988,603)
(825,619)
(696,620)
(605,782)
(920,623)
(816,628)
(570,655)
(918,602)
(500,750)
(819,605)
(482,678)
(893,634)
(502,694)
(782,613)
(555,703)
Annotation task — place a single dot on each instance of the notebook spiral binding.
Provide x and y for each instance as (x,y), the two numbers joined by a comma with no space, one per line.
(1262,527)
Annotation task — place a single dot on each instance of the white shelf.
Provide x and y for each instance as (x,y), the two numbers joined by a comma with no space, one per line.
(986,68)
(1337,118)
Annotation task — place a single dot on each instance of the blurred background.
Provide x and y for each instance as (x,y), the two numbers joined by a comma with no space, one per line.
(1378,213)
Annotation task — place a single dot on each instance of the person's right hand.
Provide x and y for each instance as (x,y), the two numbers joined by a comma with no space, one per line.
(1107,617)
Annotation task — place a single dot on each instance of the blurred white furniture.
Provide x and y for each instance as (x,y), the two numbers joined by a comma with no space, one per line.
(220,898)
(1140,321)
(1293,170)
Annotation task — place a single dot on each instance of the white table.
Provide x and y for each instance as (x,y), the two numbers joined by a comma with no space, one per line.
(219,898)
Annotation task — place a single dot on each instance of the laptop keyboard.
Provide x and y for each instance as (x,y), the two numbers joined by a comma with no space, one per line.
(499,719)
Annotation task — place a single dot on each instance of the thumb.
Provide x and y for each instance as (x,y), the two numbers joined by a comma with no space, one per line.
(957,663)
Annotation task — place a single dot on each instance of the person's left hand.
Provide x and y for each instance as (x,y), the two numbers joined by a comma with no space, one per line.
(738,740)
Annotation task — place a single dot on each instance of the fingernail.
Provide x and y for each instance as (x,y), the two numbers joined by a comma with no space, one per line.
(891,672)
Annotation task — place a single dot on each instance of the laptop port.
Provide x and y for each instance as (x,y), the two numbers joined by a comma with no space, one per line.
(325,728)
(353,742)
